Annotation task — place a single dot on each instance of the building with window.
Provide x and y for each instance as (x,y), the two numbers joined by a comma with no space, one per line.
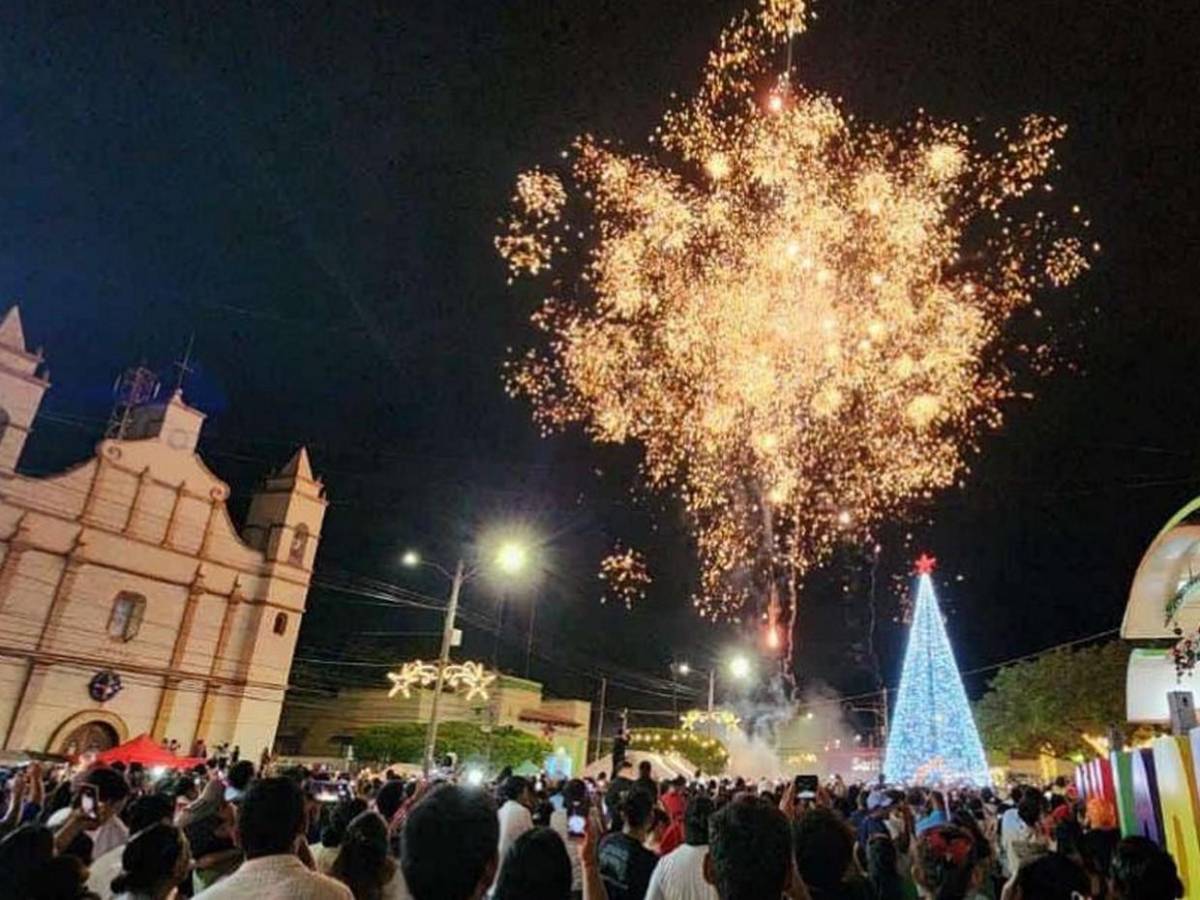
(320,724)
(129,601)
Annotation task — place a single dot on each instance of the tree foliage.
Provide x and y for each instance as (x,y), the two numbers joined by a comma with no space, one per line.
(405,742)
(1047,704)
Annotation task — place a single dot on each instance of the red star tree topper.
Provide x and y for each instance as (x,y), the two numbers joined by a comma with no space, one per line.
(925,564)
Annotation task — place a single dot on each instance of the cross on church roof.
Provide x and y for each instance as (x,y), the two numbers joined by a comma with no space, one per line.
(183,366)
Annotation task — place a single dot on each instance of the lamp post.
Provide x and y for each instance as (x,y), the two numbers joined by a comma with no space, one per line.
(739,668)
(510,559)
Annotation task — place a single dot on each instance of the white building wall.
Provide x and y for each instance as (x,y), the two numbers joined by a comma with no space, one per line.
(144,516)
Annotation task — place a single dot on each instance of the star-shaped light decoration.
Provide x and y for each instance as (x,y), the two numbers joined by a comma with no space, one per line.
(925,564)
(472,677)
(412,673)
(693,717)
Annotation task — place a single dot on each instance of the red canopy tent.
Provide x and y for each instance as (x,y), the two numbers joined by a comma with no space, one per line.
(145,750)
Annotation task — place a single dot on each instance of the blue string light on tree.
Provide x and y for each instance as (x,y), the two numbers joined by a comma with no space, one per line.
(933,739)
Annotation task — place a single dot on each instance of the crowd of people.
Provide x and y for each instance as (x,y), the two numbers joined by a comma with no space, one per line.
(236,830)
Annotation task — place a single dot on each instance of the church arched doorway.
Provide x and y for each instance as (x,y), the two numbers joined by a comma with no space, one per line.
(94,736)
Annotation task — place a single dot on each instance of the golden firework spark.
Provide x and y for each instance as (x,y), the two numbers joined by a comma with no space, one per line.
(800,318)
(626,574)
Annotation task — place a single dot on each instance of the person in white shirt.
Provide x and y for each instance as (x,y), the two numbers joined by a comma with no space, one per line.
(514,816)
(109,790)
(152,809)
(1010,827)
(270,823)
(680,874)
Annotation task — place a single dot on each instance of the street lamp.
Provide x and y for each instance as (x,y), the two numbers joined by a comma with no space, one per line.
(739,667)
(510,559)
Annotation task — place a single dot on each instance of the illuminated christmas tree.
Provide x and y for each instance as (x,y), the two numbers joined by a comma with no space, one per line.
(933,739)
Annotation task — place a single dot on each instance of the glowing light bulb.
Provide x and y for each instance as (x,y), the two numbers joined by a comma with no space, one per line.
(775,103)
(739,667)
(511,558)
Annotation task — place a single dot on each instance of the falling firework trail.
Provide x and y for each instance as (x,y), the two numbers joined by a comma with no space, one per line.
(800,318)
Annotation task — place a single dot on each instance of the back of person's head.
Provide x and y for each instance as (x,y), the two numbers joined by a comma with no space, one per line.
(945,862)
(749,850)
(110,784)
(449,844)
(1096,848)
(513,787)
(536,868)
(644,769)
(149,809)
(271,817)
(240,774)
(1141,870)
(340,817)
(1052,877)
(882,868)
(22,853)
(154,856)
(1068,834)
(575,791)
(390,798)
(824,847)
(1031,807)
(364,863)
(695,820)
(62,878)
(636,806)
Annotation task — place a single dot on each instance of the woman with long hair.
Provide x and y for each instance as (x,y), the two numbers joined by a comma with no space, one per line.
(883,872)
(364,863)
(333,831)
(155,861)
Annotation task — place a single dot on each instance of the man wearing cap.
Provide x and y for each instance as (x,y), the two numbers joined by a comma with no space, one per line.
(879,803)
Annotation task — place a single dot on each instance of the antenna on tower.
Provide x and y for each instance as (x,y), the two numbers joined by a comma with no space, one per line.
(134,387)
(183,366)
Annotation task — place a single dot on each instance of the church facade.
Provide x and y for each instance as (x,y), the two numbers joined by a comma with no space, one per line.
(129,602)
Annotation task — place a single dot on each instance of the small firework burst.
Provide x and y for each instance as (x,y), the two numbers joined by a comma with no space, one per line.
(625,575)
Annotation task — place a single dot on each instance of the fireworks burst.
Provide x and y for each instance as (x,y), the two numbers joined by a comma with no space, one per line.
(800,318)
(626,575)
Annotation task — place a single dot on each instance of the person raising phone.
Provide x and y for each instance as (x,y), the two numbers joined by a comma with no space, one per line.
(98,799)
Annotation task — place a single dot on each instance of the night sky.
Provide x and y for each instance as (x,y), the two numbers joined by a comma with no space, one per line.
(310,190)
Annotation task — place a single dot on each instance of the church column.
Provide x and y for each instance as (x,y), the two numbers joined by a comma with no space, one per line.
(204,719)
(170,691)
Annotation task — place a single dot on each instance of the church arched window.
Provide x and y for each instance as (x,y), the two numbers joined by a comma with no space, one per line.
(125,620)
(4,420)
(280,626)
(299,545)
